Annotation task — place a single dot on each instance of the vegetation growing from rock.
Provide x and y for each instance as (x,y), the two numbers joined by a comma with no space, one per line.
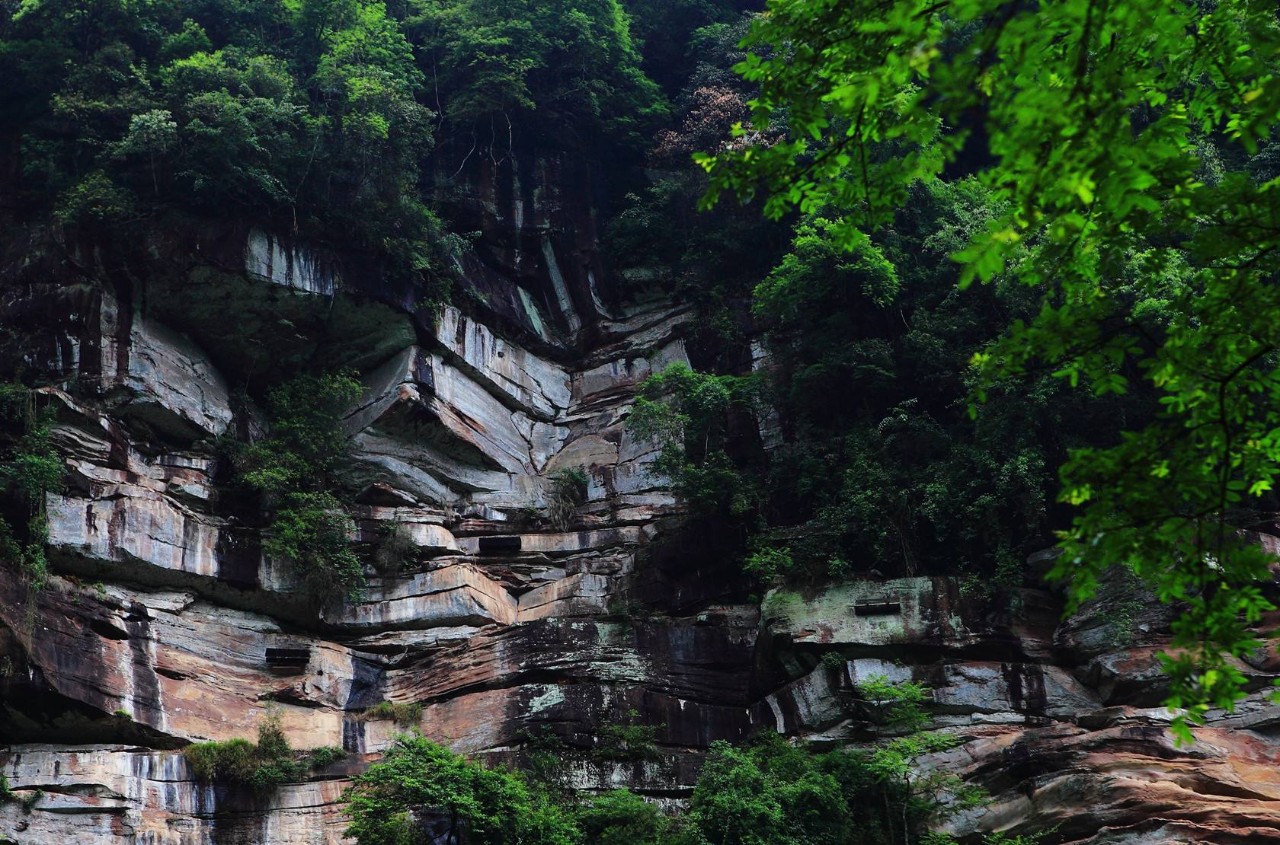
(419,783)
(262,767)
(30,467)
(302,115)
(568,491)
(765,792)
(626,739)
(620,817)
(770,792)
(688,413)
(570,63)
(396,549)
(1128,150)
(877,464)
(294,470)
(405,713)
(853,406)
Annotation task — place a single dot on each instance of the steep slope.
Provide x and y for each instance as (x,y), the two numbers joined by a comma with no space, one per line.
(515,631)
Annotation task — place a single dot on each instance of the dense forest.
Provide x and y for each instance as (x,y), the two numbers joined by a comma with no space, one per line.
(971,279)
(323,119)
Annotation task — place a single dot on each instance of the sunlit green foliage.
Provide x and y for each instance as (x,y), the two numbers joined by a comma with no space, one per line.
(1103,132)
(768,794)
(772,793)
(923,793)
(621,817)
(494,806)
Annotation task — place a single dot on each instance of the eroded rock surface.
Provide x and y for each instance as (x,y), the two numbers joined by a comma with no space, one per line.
(165,623)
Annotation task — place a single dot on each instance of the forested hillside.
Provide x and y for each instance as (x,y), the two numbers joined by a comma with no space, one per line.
(340,122)
(684,422)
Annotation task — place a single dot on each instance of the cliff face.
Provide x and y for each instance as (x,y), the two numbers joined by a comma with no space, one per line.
(515,631)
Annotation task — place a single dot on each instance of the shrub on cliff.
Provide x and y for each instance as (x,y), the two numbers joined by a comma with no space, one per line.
(262,767)
(293,469)
(421,787)
(30,467)
(689,415)
(769,793)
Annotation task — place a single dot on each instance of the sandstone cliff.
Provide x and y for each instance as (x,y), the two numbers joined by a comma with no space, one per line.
(165,623)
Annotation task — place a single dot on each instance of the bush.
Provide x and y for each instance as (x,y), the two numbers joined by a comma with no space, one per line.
(768,564)
(293,468)
(769,794)
(405,713)
(233,761)
(621,817)
(313,531)
(262,767)
(396,548)
(419,781)
(687,414)
(326,755)
(626,740)
(568,491)
(30,468)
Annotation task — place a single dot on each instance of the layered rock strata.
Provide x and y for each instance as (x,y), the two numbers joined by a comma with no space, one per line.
(514,629)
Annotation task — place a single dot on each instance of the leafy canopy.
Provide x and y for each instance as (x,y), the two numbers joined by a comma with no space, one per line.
(566,62)
(417,776)
(1127,148)
(302,115)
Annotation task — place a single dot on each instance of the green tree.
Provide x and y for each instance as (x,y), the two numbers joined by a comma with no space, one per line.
(299,116)
(293,467)
(910,795)
(621,817)
(30,468)
(418,779)
(767,794)
(570,64)
(264,766)
(1096,126)
(686,413)
(242,129)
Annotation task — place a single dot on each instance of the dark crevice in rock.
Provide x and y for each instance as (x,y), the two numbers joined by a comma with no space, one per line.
(34,712)
(103,628)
